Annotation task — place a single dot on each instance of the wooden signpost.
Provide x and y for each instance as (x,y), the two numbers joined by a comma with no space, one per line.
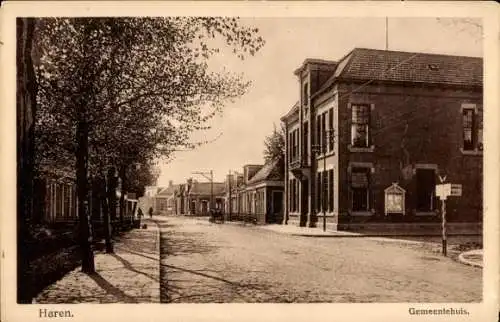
(443,191)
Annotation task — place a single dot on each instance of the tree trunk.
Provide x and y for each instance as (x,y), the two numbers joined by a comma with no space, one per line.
(26,112)
(111,192)
(105,214)
(82,136)
(123,191)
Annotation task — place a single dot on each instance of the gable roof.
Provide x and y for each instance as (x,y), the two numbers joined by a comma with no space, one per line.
(204,188)
(365,64)
(168,190)
(270,171)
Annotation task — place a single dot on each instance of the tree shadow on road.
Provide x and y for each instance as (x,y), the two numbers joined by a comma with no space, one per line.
(111,289)
(221,292)
(130,267)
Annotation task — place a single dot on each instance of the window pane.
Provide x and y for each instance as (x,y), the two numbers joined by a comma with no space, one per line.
(468,128)
(360,114)
(360,199)
(360,124)
(360,182)
(330,125)
(318,191)
(330,195)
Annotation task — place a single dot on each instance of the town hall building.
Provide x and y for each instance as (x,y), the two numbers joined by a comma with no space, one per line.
(374,131)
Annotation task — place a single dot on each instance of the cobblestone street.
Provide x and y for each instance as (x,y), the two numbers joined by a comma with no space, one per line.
(203,262)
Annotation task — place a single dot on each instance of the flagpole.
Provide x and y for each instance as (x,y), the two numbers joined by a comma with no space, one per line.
(386,33)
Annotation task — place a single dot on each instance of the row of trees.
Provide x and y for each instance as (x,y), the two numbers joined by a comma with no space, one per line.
(115,94)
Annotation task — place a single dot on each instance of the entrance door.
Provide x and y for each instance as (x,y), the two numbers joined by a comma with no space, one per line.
(304,201)
(277,206)
(426,185)
(204,207)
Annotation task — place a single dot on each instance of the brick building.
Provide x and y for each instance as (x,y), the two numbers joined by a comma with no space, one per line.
(257,193)
(384,119)
(165,199)
(193,197)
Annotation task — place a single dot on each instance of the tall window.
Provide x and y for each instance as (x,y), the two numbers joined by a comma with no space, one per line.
(468,127)
(304,139)
(330,126)
(296,194)
(360,136)
(360,187)
(294,200)
(318,191)
(324,141)
(330,190)
(296,144)
(326,193)
(293,145)
(318,130)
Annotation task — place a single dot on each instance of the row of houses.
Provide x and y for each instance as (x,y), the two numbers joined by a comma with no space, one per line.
(256,191)
(367,142)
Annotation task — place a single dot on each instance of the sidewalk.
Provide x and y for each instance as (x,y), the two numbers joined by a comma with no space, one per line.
(130,275)
(308,231)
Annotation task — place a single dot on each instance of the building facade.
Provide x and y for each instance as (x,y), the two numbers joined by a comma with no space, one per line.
(377,119)
(257,193)
(164,200)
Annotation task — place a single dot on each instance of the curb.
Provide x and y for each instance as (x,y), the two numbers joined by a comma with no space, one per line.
(156,292)
(465,261)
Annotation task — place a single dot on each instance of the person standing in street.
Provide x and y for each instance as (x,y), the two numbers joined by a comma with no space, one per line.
(150,212)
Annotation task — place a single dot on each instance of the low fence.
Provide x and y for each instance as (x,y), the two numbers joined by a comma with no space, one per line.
(56,202)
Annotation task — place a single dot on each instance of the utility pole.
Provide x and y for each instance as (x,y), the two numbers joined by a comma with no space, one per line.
(212,189)
(230,202)
(210,177)
(321,148)
(443,223)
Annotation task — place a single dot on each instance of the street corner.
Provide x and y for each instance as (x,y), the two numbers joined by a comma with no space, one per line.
(472,258)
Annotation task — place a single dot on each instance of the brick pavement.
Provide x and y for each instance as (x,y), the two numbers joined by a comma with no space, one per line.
(130,275)
(218,263)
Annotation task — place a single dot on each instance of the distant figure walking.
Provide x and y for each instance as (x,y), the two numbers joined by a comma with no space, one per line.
(150,212)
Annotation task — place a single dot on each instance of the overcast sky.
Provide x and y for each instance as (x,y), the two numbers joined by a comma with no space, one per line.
(289,41)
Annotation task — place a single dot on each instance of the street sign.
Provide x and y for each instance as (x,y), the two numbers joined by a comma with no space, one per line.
(443,190)
(456,190)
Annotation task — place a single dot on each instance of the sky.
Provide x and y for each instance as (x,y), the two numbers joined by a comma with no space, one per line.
(245,123)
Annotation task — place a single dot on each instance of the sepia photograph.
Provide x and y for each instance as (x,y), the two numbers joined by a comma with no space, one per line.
(245,158)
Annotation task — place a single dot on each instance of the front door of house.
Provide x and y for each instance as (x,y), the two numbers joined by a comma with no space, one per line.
(204,207)
(304,202)
(277,206)
(426,183)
